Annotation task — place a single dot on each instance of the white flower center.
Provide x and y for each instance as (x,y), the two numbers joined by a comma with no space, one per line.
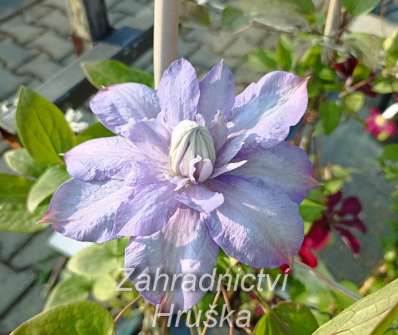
(192,153)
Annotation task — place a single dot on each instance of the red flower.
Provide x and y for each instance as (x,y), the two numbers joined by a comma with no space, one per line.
(341,215)
(346,70)
(380,127)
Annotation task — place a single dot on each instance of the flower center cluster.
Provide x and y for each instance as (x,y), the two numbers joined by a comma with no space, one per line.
(192,154)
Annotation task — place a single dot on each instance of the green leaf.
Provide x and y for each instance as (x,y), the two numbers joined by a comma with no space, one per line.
(46,185)
(330,114)
(99,259)
(13,186)
(327,74)
(366,47)
(390,153)
(262,60)
(20,162)
(105,288)
(108,72)
(96,130)
(74,288)
(284,53)
(287,319)
(14,216)
(354,102)
(385,85)
(311,210)
(359,7)
(42,128)
(78,318)
(372,315)
(390,46)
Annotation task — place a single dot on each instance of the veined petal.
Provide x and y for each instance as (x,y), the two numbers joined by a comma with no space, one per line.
(283,166)
(217,92)
(147,210)
(230,149)
(178,93)
(227,168)
(183,248)
(85,211)
(260,226)
(200,198)
(117,105)
(101,159)
(218,130)
(151,138)
(267,109)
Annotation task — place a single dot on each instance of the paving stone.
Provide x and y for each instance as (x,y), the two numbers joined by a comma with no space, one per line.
(54,45)
(31,304)
(57,21)
(13,284)
(269,41)
(35,251)
(129,7)
(240,48)
(145,60)
(18,29)
(216,41)
(11,243)
(35,13)
(204,58)
(58,4)
(187,48)
(9,83)
(41,67)
(244,76)
(254,35)
(69,59)
(232,62)
(115,17)
(144,19)
(112,3)
(145,2)
(13,54)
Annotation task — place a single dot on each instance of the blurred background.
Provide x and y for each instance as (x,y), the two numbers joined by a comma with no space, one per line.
(36,45)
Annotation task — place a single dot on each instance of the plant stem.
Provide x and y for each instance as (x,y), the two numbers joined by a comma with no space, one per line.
(125,308)
(228,304)
(213,304)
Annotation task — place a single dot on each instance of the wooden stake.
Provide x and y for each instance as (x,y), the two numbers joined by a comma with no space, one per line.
(332,19)
(165,35)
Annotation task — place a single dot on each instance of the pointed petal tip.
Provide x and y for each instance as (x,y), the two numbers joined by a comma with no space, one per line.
(46,219)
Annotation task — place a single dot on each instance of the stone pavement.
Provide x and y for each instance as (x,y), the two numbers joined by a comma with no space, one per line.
(34,44)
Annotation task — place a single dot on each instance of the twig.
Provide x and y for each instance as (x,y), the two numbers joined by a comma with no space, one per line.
(125,308)
(199,328)
(55,274)
(164,326)
(213,304)
(356,86)
(228,304)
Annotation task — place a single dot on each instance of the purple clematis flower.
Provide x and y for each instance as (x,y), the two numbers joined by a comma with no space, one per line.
(192,169)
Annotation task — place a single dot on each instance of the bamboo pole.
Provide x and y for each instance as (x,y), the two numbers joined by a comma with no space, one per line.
(332,19)
(165,35)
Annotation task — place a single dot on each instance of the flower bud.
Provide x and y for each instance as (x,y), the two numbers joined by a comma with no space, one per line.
(192,153)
